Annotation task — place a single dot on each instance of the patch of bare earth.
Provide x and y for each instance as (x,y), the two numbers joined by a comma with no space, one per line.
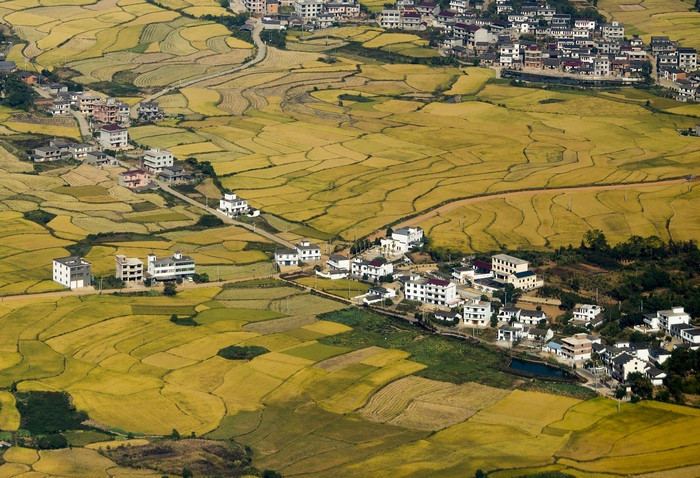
(201,457)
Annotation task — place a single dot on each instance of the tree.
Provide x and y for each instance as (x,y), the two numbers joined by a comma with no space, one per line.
(18,94)
(187,473)
(620,392)
(169,289)
(175,435)
(209,220)
(640,384)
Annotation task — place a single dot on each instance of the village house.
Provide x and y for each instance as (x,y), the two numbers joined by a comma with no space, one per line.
(129,269)
(511,270)
(477,312)
(338,267)
(99,159)
(174,175)
(170,268)
(149,111)
(378,294)
(437,292)
(447,316)
(111,110)
(578,347)
(72,272)
(155,159)
(286,257)
(587,314)
(113,136)
(308,252)
(232,205)
(664,319)
(372,269)
(134,179)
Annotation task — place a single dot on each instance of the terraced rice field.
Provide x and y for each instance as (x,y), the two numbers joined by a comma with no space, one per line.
(146,41)
(336,149)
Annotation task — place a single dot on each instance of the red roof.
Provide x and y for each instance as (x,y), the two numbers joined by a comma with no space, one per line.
(113,127)
(439,282)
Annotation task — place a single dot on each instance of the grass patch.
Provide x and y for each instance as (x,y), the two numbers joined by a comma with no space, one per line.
(185,321)
(449,360)
(85,437)
(254,283)
(564,389)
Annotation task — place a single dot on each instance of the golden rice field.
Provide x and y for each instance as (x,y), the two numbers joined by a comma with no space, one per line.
(306,408)
(298,144)
(150,43)
(645,18)
(557,218)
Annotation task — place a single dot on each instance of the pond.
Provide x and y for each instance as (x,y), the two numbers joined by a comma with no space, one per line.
(541,369)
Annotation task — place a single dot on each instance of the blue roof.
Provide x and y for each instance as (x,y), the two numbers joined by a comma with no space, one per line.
(520,275)
(553,346)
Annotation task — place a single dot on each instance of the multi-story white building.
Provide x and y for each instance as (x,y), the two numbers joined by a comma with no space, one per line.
(409,236)
(584,314)
(286,257)
(338,262)
(232,205)
(612,30)
(156,159)
(255,6)
(170,268)
(438,292)
(373,269)
(308,252)
(129,269)
(308,9)
(687,59)
(72,272)
(477,312)
(113,136)
(390,18)
(511,270)
(665,319)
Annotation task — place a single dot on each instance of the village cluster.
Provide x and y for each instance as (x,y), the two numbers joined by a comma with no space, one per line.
(465,299)
(530,37)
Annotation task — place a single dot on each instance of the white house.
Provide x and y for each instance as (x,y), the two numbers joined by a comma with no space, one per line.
(665,319)
(509,334)
(286,257)
(170,268)
(113,136)
(129,269)
(155,159)
(373,269)
(477,312)
(512,270)
(438,292)
(232,205)
(584,314)
(72,272)
(338,261)
(409,236)
(308,252)
(624,364)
